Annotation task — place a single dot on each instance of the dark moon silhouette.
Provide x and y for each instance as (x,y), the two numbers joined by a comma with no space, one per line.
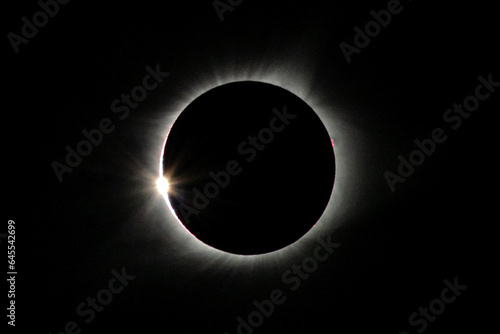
(250,166)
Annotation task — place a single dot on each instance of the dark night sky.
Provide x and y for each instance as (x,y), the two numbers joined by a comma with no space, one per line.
(396,249)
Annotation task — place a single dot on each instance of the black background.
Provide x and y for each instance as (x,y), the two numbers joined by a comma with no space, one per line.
(397,248)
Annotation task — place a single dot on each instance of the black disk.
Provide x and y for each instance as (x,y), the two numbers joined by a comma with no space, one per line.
(250,166)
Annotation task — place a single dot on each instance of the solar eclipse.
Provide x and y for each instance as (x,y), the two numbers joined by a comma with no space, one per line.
(249,167)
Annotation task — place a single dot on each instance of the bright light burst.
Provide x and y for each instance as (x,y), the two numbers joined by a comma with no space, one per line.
(162,185)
